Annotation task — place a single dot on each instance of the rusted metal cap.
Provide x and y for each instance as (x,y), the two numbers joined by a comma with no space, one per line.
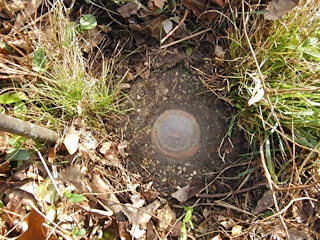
(176,134)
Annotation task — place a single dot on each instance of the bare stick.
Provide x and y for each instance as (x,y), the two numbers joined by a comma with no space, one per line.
(175,29)
(186,38)
(221,195)
(49,173)
(23,128)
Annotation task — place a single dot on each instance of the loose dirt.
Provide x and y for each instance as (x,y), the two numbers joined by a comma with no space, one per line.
(179,88)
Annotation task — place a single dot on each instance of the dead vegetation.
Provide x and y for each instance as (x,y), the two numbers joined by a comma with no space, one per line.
(70,74)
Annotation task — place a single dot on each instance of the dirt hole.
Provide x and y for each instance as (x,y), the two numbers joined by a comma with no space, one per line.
(160,94)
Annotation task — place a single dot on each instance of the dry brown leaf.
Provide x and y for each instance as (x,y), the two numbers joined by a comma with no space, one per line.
(298,234)
(166,218)
(264,203)
(140,216)
(93,38)
(87,142)
(175,232)
(71,140)
(123,233)
(226,222)
(105,147)
(217,238)
(121,146)
(123,86)
(27,13)
(277,8)
(74,175)
(152,27)
(3,50)
(151,6)
(12,7)
(128,9)
(182,194)
(142,71)
(35,229)
(150,195)
(151,233)
(301,211)
(236,231)
(19,198)
(159,3)
(109,199)
(221,3)
(5,166)
(199,8)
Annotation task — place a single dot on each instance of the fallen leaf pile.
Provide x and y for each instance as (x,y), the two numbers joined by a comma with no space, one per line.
(91,186)
(202,8)
(35,228)
(13,15)
(81,188)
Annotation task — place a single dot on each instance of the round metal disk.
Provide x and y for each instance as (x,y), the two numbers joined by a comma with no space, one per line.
(176,134)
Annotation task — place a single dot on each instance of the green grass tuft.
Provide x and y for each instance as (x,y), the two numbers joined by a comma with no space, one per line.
(289,62)
(66,87)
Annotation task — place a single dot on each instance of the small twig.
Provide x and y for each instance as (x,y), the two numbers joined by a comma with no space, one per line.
(49,173)
(227,194)
(308,158)
(296,187)
(54,229)
(314,150)
(287,207)
(186,38)
(175,29)
(271,187)
(219,174)
(16,225)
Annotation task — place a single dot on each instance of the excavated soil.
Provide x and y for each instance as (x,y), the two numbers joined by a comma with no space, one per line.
(179,88)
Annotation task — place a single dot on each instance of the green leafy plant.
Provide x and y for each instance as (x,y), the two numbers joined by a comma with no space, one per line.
(46,191)
(79,231)
(276,85)
(68,87)
(74,197)
(187,222)
(88,22)
(1,206)
(289,63)
(39,60)
(17,99)
(17,152)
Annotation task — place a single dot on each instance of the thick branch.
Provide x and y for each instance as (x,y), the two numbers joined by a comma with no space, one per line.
(23,128)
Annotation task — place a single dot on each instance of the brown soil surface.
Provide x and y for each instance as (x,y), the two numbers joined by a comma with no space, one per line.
(179,88)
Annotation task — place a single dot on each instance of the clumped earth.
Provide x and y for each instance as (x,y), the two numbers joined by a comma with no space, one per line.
(179,88)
